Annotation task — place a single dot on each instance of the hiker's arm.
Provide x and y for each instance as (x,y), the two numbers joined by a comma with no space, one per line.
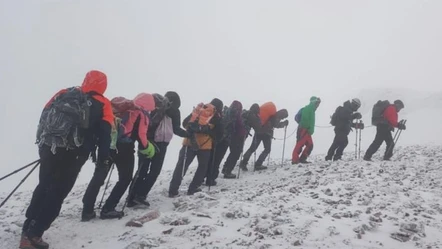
(104,132)
(186,120)
(175,115)
(255,123)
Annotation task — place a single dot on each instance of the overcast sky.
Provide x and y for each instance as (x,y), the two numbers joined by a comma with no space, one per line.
(250,50)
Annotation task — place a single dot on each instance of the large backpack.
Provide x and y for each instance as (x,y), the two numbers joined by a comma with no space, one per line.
(377,116)
(266,111)
(121,105)
(202,114)
(298,116)
(64,120)
(334,117)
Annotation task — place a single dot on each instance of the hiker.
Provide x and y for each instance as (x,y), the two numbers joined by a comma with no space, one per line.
(342,120)
(165,121)
(270,119)
(233,136)
(202,124)
(249,119)
(306,128)
(133,127)
(65,142)
(385,118)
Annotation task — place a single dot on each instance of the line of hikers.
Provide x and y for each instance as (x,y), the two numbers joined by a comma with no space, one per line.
(79,123)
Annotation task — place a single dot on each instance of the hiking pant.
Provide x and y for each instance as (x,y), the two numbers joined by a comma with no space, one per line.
(90,196)
(383,133)
(185,158)
(124,160)
(340,142)
(149,170)
(257,138)
(236,148)
(57,176)
(303,139)
(216,157)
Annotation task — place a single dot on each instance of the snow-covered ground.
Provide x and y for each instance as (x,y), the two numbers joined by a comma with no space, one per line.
(347,204)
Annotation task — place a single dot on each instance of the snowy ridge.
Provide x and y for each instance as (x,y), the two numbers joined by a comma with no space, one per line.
(347,204)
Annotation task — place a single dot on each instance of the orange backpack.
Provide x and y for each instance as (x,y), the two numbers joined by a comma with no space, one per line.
(202,113)
(266,111)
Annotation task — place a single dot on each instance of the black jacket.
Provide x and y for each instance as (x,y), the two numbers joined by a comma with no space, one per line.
(344,118)
(274,122)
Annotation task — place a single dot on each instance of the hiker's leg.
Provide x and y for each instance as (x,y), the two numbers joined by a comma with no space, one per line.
(376,144)
(200,173)
(342,144)
(90,196)
(334,146)
(124,161)
(267,141)
(390,145)
(155,169)
(249,152)
(178,172)
(236,147)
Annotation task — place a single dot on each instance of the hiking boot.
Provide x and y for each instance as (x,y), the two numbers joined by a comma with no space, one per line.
(295,162)
(260,167)
(86,216)
(304,161)
(193,191)
(243,167)
(25,243)
(337,159)
(211,183)
(229,176)
(38,243)
(327,158)
(111,214)
(368,159)
(140,202)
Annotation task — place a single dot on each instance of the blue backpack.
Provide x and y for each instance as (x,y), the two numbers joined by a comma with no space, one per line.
(298,116)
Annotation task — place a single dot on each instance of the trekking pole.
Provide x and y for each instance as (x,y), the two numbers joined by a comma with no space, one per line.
(184,162)
(20,169)
(107,185)
(22,181)
(283,147)
(356,144)
(360,139)
(395,139)
(212,167)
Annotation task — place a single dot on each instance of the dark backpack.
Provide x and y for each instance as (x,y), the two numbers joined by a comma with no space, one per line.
(334,117)
(63,122)
(377,116)
(298,116)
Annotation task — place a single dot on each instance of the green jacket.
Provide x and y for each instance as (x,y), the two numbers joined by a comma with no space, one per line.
(308,116)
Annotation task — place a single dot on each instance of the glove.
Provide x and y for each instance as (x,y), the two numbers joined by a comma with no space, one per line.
(401,126)
(285,123)
(356,115)
(149,152)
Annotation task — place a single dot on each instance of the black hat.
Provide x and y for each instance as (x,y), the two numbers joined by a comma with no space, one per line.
(174,99)
(399,104)
(218,104)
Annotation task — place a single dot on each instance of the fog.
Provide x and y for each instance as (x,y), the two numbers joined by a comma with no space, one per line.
(252,51)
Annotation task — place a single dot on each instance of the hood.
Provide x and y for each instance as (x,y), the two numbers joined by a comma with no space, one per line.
(254,109)
(218,104)
(174,99)
(95,81)
(145,102)
(236,105)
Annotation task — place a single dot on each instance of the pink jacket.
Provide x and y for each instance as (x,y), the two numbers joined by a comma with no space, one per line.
(145,103)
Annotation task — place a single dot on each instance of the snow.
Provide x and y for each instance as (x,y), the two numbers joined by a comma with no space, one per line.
(347,204)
